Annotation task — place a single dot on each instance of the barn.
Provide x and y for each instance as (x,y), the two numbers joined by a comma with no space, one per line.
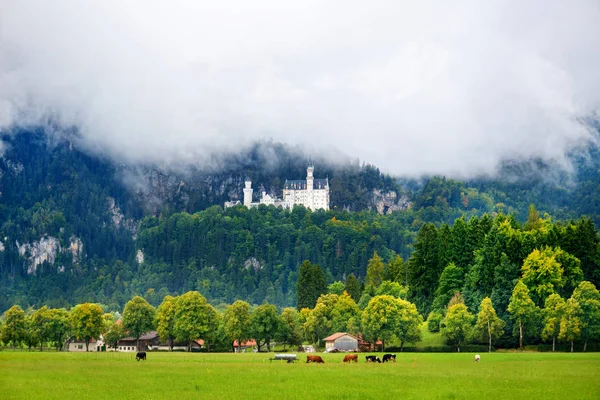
(147,341)
(342,341)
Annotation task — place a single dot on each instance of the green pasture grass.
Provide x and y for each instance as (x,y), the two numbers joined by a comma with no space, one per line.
(179,376)
(430,339)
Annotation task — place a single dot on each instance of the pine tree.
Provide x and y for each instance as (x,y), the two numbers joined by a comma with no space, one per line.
(311,284)
(353,287)
(451,281)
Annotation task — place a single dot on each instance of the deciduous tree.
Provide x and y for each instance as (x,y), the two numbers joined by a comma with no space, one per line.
(289,328)
(192,317)
(345,315)
(387,316)
(570,323)
(488,325)
(522,309)
(13,329)
(165,320)
(58,326)
(320,320)
(374,271)
(264,325)
(542,274)
(588,298)
(86,322)
(457,324)
(552,314)
(336,287)
(237,322)
(138,318)
(393,289)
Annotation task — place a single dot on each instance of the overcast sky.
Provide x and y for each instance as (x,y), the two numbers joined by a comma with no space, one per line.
(414,87)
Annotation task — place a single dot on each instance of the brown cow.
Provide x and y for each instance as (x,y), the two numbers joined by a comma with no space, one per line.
(350,358)
(314,359)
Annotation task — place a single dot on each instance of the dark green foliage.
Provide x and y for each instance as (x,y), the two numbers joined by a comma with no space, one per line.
(451,281)
(49,187)
(353,287)
(311,284)
(434,321)
(424,267)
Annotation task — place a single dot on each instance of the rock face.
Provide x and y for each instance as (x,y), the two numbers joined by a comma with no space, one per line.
(76,249)
(46,249)
(139,256)
(37,253)
(253,263)
(387,202)
(119,220)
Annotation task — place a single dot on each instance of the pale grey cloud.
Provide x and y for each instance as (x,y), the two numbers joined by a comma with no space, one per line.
(413,87)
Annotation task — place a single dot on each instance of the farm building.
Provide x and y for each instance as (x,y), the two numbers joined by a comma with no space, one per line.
(147,341)
(341,341)
(247,345)
(196,345)
(79,345)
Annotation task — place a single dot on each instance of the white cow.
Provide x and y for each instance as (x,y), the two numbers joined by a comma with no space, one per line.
(477,358)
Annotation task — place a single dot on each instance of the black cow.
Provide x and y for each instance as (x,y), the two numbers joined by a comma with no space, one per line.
(141,355)
(389,357)
(373,359)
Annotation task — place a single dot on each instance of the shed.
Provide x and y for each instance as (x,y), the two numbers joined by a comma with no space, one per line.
(341,341)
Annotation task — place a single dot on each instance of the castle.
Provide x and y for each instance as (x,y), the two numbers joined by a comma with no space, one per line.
(311,193)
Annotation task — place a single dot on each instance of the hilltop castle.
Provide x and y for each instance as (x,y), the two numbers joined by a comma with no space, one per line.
(311,193)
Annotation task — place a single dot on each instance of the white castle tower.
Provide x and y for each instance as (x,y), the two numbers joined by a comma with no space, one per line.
(248,193)
(310,181)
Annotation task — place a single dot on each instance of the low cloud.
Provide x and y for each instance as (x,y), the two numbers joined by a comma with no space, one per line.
(413,87)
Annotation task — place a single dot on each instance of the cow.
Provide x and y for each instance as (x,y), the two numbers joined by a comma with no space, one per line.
(477,358)
(350,358)
(388,357)
(314,359)
(373,359)
(141,355)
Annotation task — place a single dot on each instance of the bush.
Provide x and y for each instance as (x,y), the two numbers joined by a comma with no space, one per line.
(434,321)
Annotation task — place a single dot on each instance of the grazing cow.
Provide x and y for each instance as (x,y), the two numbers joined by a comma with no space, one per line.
(141,355)
(314,359)
(373,359)
(477,358)
(388,357)
(350,358)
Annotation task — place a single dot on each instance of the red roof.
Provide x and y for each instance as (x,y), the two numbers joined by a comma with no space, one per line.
(338,335)
(247,343)
(362,342)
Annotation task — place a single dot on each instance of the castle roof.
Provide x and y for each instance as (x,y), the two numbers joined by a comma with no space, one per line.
(301,184)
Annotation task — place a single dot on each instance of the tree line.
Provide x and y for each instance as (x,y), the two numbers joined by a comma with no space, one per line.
(387,317)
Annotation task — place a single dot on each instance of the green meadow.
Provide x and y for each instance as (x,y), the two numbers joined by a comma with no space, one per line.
(51,375)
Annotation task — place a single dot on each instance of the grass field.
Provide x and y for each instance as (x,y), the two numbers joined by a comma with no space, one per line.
(179,376)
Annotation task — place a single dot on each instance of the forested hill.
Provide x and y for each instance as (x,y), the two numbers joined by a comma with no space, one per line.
(76,227)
